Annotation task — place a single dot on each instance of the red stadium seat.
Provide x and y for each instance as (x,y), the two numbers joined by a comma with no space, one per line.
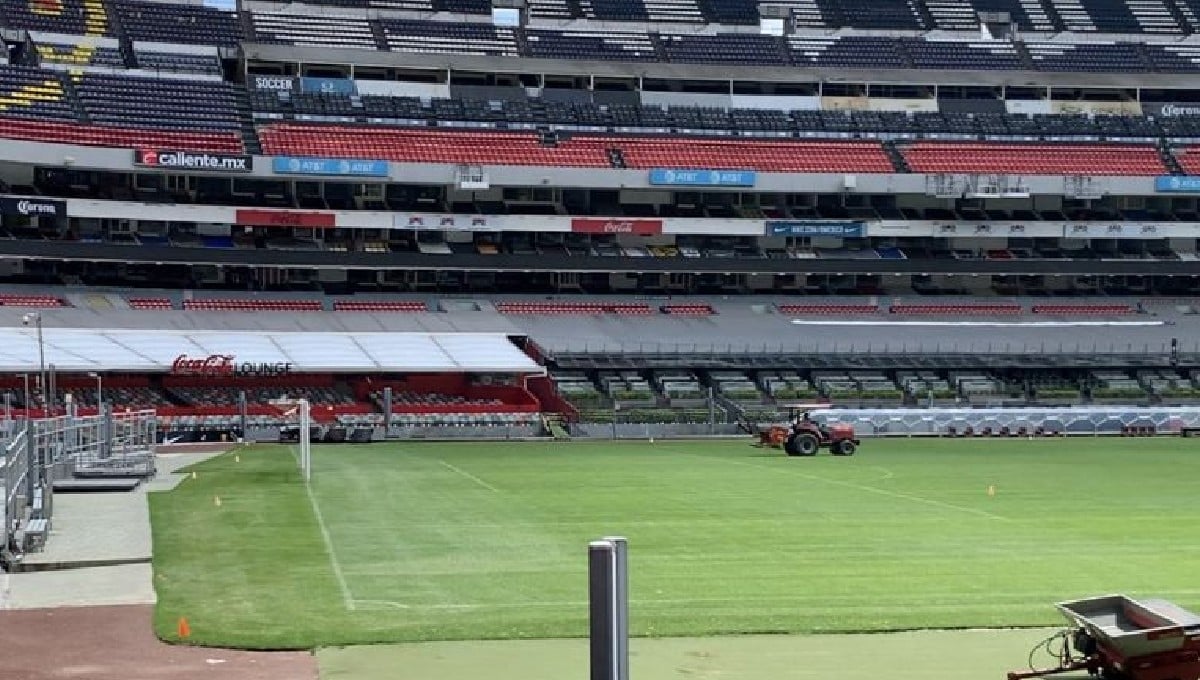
(543,308)
(820,309)
(1084,310)
(1034,159)
(957,309)
(42,301)
(379,306)
(97,135)
(688,310)
(430,146)
(252,305)
(149,303)
(765,156)
(517,148)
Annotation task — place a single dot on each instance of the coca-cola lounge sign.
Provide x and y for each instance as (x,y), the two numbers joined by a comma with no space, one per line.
(227,366)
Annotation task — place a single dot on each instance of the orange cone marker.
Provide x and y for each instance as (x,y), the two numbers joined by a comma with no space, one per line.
(184,630)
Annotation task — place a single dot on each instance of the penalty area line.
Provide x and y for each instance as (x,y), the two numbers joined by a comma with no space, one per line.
(338,574)
(861,487)
(463,473)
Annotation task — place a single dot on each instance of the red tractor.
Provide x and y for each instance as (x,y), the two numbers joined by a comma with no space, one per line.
(805,437)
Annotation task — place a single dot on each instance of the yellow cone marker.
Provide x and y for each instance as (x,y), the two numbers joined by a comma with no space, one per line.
(237,459)
(217,501)
(992,490)
(193,474)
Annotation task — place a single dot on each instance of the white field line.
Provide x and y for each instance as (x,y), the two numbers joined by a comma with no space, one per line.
(468,475)
(860,487)
(1034,600)
(338,574)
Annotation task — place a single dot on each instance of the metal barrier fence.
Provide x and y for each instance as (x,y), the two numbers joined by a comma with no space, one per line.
(1070,420)
(895,422)
(40,452)
(16,486)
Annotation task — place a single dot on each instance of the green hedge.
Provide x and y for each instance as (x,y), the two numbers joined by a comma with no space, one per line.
(742,394)
(880,394)
(641,416)
(1117,393)
(632,395)
(794,393)
(1180,392)
(1057,393)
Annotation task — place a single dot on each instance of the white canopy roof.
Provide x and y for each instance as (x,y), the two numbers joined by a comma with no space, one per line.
(87,349)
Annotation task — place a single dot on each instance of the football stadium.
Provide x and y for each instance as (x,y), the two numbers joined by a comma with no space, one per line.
(545,339)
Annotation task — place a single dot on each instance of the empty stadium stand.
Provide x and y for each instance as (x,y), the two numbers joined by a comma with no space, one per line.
(37,301)
(498,148)
(956,309)
(86,17)
(252,305)
(1084,309)
(33,93)
(178,23)
(314,31)
(200,64)
(435,37)
(955,54)
(96,135)
(847,52)
(379,306)
(729,48)
(150,303)
(70,54)
(559,308)
(609,46)
(826,309)
(688,309)
(191,106)
(1066,159)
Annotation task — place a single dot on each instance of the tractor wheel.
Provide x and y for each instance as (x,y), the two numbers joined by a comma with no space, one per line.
(845,448)
(806,445)
(789,446)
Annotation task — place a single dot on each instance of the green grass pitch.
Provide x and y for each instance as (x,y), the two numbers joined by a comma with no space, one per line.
(422,541)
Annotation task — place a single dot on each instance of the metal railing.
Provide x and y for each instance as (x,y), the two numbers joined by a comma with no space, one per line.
(39,452)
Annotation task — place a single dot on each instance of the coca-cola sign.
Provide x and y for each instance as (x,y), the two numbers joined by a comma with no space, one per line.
(616,225)
(225,365)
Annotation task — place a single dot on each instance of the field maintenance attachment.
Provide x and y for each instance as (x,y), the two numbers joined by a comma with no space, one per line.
(1114,637)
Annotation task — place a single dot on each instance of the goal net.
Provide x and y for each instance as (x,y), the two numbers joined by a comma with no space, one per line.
(295,413)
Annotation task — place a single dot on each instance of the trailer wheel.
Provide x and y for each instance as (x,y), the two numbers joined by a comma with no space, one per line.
(846,448)
(806,445)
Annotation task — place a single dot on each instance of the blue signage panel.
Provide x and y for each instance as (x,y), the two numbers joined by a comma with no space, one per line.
(703,178)
(331,85)
(1178,185)
(794,228)
(290,165)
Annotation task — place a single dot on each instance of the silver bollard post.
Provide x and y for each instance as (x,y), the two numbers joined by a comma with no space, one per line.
(608,610)
(621,549)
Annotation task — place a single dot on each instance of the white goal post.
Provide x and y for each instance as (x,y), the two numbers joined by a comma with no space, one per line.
(299,409)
